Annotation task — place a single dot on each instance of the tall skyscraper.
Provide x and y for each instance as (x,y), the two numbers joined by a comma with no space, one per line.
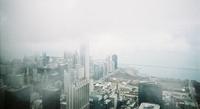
(45,59)
(77,91)
(84,60)
(68,82)
(76,86)
(115,61)
(150,92)
(108,64)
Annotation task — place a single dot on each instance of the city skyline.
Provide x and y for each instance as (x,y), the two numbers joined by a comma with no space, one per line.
(106,54)
(32,27)
(75,81)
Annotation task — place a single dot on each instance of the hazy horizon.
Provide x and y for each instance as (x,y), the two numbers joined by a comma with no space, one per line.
(140,32)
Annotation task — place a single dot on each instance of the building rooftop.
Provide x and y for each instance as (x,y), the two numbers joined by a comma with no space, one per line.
(149,106)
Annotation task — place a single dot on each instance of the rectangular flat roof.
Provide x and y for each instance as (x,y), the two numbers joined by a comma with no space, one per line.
(149,106)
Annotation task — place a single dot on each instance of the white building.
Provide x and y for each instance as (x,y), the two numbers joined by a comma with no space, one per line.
(149,106)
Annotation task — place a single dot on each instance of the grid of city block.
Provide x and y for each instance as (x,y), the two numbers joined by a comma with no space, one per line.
(99,54)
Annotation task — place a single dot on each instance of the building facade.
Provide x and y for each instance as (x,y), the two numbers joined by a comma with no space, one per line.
(150,92)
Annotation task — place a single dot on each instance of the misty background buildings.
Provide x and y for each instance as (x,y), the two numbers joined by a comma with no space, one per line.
(108,54)
(140,32)
(77,81)
(48,82)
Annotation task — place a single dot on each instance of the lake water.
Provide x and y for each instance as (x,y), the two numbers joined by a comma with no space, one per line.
(179,65)
(169,73)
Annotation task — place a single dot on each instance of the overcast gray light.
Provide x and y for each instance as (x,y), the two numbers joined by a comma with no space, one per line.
(99,54)
(139,31)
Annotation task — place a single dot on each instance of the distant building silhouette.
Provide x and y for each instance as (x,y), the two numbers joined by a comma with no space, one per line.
(115,61)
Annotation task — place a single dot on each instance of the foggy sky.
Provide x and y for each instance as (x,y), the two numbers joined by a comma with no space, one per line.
(133,29)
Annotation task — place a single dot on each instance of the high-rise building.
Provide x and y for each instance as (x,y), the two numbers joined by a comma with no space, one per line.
(98,71)
(17,98)
(45,59)
(51,98)
(84,60)
(76,81)
(150,92)
(108,64)
(77,91)
(115,61)
(81,95)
